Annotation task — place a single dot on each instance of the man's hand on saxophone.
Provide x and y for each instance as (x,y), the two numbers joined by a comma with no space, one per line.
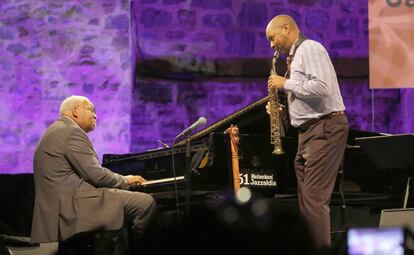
(281,108)
(275,82)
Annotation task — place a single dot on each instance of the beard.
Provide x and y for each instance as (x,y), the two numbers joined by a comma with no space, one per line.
(283,50)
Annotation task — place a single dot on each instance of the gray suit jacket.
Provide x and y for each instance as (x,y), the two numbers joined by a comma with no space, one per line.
(71,186)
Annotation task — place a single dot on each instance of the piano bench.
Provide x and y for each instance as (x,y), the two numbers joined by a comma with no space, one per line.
(105,242)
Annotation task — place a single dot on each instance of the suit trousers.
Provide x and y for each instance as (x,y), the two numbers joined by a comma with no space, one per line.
(319,156)
(139,209)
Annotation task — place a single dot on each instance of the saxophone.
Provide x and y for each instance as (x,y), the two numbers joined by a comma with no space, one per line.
(274,107)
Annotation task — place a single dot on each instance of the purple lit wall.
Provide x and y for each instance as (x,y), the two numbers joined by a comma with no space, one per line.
(211,58)
(191,58)
(50,50)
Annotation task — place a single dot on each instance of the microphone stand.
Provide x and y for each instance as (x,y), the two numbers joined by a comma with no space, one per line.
(186,133)
(187,176)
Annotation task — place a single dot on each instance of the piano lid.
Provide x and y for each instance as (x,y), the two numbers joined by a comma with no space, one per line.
(249,118)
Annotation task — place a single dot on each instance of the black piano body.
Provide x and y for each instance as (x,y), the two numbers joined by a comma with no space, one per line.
(262,172)
(210,168)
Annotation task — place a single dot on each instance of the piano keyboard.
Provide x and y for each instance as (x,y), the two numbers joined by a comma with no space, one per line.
(165,180)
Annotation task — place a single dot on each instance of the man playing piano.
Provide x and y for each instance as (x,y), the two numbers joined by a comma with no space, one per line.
(316,108)
(73,192)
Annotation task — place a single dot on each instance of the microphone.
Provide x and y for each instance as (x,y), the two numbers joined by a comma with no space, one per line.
(187,131)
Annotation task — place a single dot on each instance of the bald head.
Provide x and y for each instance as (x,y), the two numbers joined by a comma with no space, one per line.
(282,20)
(70,103)
(282,31)
(81,110)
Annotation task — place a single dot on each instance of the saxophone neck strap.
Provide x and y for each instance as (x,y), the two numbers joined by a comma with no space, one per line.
(301,39)
(289,59)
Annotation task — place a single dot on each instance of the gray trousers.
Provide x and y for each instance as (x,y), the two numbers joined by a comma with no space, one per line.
(320,153)
(139,209)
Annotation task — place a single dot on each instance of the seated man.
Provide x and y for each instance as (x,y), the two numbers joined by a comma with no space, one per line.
(74,193)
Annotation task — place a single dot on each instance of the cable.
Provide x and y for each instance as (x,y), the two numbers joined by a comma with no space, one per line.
(341,182)
(372,110)
(175,178)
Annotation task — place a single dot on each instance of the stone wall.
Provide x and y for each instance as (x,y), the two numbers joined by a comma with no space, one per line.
(218,48)
(50,50)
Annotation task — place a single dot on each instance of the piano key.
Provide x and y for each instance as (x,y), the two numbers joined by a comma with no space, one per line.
(164,180)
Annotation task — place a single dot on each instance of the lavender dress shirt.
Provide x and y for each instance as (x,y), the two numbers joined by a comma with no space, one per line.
(312,88)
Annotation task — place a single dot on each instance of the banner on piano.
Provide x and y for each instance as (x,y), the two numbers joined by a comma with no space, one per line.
(252,178)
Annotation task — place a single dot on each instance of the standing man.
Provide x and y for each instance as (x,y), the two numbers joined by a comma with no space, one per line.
(74,193)
(316,108)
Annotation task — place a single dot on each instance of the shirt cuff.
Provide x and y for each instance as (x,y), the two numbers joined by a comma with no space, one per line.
(289,85)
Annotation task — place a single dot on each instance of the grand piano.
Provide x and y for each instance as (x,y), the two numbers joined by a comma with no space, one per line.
(198,168)
(211,157)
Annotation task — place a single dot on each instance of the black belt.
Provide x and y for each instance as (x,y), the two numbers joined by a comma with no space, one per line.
(310,122)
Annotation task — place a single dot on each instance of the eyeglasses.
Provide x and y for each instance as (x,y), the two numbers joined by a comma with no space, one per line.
(91,109)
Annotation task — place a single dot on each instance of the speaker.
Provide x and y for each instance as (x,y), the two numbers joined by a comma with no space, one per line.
(397,218)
